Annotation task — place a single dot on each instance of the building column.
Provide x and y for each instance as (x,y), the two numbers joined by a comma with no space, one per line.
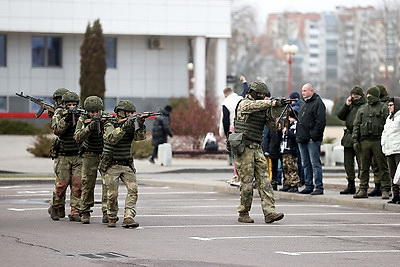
(200,69)
(220,68)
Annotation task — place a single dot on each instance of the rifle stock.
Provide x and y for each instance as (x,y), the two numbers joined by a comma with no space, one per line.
(43,105)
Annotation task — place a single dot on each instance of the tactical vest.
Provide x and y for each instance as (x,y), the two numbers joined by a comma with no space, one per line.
(372,121)
(68,145)
(253,127)
(121,150)
(94,143)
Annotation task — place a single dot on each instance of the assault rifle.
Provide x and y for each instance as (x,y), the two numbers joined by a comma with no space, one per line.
(145,115)
(98,119)
(43,105)
(74,113)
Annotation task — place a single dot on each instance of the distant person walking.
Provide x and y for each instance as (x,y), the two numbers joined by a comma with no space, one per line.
(161,131)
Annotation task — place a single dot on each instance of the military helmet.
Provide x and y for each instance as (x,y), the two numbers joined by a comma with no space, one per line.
(125,105)
(93,103)
(259,87)
(70,97)
(59,92)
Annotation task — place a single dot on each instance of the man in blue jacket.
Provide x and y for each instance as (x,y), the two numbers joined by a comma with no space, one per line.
(309,135)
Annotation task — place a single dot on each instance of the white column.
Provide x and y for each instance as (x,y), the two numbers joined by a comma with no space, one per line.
(220,68)
(200,69)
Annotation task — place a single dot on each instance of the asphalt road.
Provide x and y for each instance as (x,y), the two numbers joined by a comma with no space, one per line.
(184,227)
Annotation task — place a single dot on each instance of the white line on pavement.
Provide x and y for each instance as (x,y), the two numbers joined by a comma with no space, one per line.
(271,225)
(335,252)
(287,237)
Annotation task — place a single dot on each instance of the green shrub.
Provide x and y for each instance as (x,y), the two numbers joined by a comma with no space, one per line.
(17,127)
(41,146)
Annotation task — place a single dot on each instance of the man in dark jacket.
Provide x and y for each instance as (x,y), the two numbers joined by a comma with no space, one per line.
(347,113)
(161,130)
(309,135)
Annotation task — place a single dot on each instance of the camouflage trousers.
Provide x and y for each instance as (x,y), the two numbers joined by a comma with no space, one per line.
(290,169)
(90,164)
(68,171)
(252,165)
(111,179)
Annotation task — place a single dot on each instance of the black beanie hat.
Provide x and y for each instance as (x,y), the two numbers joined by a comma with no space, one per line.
(373,91)
(357,90)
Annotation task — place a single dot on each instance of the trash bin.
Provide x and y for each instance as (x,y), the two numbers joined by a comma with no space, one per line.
(164,154)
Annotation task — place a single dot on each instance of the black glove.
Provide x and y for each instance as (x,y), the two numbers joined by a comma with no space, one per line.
(92,126)
(128,124)
(68,117)
(140,120)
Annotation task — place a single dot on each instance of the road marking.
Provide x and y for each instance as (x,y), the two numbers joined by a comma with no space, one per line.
(287,237)
(27,209)
(268,225)
(335,252)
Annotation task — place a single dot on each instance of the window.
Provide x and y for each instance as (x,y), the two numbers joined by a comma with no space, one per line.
(46,51)
(3,103)
(110,44)
(3,50)
(109,104)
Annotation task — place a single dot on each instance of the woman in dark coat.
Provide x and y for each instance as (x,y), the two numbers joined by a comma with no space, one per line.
(161,130)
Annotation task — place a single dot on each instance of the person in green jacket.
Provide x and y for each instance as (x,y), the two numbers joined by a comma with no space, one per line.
(347,113)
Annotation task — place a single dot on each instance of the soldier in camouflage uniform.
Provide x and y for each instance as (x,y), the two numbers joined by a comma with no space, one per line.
(57,97)
(117,162)
(347,113)
(252,114)
(68,164)
(89,132)
(368,126)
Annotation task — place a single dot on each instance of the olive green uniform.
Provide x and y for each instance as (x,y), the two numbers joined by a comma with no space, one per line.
(347,114)
(367,131)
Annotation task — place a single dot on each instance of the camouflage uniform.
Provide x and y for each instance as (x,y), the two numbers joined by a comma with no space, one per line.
(290,169)
(68,164)
(117,163)
(90,133)
(251,117)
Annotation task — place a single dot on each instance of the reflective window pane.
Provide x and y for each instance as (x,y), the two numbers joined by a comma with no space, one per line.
(3,51)
(110,44)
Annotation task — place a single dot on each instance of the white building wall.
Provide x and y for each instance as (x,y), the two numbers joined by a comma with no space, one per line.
(210,18)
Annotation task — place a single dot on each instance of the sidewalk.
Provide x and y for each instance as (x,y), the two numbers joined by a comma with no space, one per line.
(19,166)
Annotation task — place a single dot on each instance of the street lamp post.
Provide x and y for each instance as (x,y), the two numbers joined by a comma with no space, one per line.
(289,50)
(386,69)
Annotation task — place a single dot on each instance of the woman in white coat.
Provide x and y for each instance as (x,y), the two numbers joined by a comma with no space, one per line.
(390,142)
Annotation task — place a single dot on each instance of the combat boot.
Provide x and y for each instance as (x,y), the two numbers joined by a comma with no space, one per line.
(112,222)
(105,217)
(376,192)
(74,217)
(53,211)
(350,189)
(362,193)
(61,211)
(385,195)
(129,223)
(273,217)
(245,218)
(85,217)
